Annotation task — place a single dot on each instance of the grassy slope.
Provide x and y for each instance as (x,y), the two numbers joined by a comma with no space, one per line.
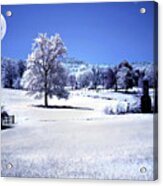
(75,143)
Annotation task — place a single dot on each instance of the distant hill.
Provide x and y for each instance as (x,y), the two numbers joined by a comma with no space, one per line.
(142,65)
(76,67)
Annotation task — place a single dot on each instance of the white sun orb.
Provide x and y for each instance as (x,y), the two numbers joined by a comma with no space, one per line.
(3,27)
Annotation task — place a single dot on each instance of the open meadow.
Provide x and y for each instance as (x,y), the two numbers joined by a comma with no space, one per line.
(75,138)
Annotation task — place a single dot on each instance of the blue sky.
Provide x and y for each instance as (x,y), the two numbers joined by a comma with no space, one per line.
(104,33)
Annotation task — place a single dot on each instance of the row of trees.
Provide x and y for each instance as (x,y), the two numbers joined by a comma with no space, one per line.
(43,74)
(122,76)
(12,72)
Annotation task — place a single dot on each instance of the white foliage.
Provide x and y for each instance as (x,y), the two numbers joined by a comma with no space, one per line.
(45,73)
(116,107)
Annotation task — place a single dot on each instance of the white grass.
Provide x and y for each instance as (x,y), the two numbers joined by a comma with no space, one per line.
(75,143)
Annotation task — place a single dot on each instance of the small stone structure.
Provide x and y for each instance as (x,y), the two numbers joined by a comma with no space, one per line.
(7,120)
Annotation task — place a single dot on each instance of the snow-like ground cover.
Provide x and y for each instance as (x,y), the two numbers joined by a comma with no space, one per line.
(117,102)
(75,142)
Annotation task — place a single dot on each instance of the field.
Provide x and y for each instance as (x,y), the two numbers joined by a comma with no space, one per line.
(74,138)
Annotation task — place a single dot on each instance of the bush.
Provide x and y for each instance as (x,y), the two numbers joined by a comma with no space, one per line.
(117,107)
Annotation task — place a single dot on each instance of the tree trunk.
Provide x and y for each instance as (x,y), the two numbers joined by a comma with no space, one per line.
(46,99)
(116,87)
(46,91)
(95,85)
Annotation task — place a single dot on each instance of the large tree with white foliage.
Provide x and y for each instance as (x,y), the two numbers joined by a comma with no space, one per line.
(45,74)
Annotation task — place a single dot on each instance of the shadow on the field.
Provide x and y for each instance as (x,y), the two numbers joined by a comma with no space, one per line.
(6,127)
(124,92)
(62,107)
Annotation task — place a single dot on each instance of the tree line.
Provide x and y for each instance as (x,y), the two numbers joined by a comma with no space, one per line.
(122,76)
(44,74)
